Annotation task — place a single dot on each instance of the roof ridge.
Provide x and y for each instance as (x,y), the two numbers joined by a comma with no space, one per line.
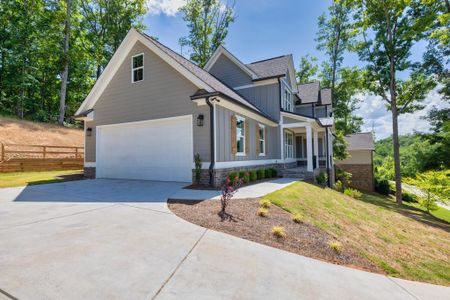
(267,59)
(309,82)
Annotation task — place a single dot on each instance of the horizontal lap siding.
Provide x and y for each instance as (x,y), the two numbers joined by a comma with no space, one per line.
(223,118)
(229,73)
(163,93)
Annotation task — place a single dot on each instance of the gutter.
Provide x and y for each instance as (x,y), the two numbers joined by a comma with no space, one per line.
(212,137)
(269,77)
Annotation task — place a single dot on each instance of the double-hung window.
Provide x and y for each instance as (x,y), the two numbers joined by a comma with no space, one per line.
(287,101)
(137,68)
(288,144)
(262,140)
(240,135)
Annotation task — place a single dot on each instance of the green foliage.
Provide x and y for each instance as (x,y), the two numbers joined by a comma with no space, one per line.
(32,52)
(322,178)
(343,177)
(298,218)
(261,173)
(409,197)
(307,69)
(263,212)
(274,172)
(279,232)
(335,246)
(353,193)
(340,147)
(338,186)
(265,203)
(268,173)
(382,186)
(234,177)
(198,167)
(253,175)
(245,176)
(435,186)
(208,22)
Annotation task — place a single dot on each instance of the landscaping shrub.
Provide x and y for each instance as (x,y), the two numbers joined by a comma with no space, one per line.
(409,197)
(297,218)
(274,172)
(253,175)
(244,176)
(278,231)
(229,188)
(198,168)
(338,186)
(261,173)
(321,178)
(265,203)
(353,193)
(268,173)
(232,176)
(343,177)
(263,212)
(335,246)
(382,186)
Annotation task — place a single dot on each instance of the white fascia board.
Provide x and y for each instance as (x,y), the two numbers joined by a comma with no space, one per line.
(89,117)
(258,83)
(292,75)
(297,117)
(221,50)
(118,58)
(246,112)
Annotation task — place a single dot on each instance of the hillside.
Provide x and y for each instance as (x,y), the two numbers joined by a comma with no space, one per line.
(14,131)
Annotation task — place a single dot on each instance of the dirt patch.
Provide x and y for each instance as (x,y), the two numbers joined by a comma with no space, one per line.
(302,238)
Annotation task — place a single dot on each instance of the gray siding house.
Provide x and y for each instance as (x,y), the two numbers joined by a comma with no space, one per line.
(152,110)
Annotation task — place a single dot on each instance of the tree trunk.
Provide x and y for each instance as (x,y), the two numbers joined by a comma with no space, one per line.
(395,141)
(65,67)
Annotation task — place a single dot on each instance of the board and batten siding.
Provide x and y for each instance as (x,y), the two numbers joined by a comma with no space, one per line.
(163,93)
(223,136)
(265,97)
(227,71)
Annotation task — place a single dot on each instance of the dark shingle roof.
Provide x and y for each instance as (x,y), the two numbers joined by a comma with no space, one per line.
(309,92)
(360,141)
(203,75)
(272,67)
(325,96)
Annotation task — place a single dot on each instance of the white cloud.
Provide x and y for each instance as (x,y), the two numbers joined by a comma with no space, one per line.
(167,7)
(375,115)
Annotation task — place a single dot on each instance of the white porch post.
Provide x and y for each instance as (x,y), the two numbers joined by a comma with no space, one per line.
(316,147)
(309,154)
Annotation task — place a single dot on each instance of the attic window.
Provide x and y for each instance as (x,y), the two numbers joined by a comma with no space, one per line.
(137,68)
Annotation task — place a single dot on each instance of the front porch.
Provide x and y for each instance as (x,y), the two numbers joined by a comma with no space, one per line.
(308,143)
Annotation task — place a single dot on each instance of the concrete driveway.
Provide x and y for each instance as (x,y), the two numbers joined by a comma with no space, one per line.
(116,239)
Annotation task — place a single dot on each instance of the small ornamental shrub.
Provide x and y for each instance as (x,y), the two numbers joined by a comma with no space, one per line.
(409,197)
(297,218)
(265,203)
(335,246)
(278,232)
(274,172)
(343,177)
(253,175)
(198,168)
(261,174)
(232,176)
(244,176)
(268,173)
(263,212)
(321,178)
(353,193)
(382,186)
(338,186)
(229,188)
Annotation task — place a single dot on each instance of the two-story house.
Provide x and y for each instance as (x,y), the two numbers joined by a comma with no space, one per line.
(152,110)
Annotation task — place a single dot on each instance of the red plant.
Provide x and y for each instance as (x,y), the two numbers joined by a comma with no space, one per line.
(229,188)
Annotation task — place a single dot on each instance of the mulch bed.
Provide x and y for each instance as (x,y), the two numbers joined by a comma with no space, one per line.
(195,186)
(302,238)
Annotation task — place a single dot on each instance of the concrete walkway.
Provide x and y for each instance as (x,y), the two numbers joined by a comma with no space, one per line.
(116,239)
(251,191)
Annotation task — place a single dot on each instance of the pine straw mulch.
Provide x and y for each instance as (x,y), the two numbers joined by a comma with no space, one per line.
(302,238)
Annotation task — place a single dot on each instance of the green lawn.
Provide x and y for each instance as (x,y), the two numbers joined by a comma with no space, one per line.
(33,178)
(404,241)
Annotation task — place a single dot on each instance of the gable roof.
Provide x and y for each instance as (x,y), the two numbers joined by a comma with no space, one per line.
(360,141)
(309,92)
(273,67)
(221,50)
(325,97)
(199,77)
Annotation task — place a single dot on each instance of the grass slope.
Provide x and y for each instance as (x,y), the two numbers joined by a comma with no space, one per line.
(405,242)
(33,178)
(14,131)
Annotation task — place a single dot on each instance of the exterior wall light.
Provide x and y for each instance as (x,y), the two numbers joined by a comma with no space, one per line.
(89,131)
(200,120)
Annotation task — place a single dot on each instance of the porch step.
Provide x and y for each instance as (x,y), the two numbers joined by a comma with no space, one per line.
(294,173)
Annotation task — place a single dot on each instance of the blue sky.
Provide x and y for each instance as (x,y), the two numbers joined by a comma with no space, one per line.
(268,28)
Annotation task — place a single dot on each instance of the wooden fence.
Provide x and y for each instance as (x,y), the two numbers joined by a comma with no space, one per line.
(22,158)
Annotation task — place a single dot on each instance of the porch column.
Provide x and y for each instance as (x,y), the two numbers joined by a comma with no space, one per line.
(309,150)
(316,147)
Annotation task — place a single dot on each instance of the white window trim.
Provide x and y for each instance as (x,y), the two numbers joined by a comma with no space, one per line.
(286,145)
(263,127)
(240,118)
(138,68)
(287,100)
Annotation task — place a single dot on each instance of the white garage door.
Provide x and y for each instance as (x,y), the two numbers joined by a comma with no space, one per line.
(152,150)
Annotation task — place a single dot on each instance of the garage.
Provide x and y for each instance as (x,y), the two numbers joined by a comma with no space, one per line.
(159,150)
